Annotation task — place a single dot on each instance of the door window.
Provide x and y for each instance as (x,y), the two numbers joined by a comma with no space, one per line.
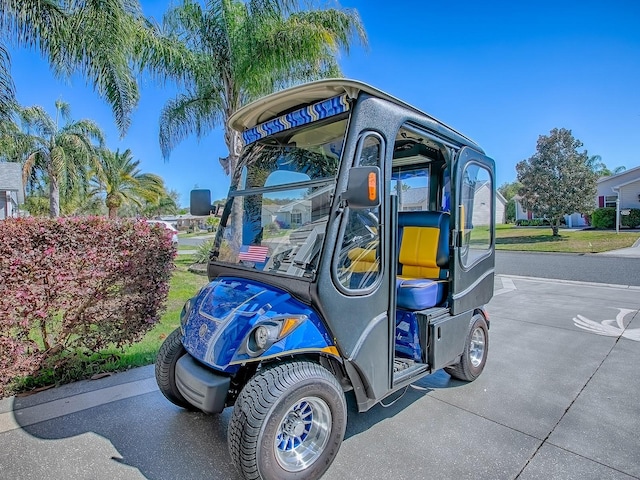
(358,261)
(476,218)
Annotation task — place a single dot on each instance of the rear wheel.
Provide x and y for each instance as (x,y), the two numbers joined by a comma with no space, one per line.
(475,352)
(288,423)
(170,352)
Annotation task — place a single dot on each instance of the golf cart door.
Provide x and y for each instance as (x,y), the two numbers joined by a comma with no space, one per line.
(473,231)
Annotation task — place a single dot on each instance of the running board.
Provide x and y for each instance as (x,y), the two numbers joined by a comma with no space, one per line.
(405,369)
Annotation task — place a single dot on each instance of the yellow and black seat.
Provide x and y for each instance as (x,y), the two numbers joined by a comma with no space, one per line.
(423,259)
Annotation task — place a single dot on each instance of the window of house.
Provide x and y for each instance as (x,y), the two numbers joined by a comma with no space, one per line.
(610,201)
(296,218)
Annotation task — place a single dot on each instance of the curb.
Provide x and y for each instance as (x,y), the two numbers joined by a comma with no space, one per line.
(572,282)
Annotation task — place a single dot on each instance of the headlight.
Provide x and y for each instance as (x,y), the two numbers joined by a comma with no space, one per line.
(266,333)
(261,337)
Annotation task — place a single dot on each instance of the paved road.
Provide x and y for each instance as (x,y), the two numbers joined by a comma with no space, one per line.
(557,400)
(597,268)
(194,241)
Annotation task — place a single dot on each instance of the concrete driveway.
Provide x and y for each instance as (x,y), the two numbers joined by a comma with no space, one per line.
(558,400)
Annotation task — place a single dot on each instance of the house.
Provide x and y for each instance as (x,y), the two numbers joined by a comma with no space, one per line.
(575,220)
(623,186)
(295,213)
(413,199)
(11,189)
(482,203)
(521,212)
(186,221)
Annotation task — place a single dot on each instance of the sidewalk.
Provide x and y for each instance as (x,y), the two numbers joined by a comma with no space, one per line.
(632,251)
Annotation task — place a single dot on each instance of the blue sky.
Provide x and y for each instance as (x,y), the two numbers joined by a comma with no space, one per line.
(502,73)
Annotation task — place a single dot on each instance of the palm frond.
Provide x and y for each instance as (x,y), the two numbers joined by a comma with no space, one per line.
(7,88)
(186,115)
(240,50)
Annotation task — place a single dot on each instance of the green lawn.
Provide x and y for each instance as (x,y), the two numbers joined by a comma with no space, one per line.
(184,285)
(540,239)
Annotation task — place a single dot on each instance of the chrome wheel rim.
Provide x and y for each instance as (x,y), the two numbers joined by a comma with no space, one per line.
(477,347)
(303,434)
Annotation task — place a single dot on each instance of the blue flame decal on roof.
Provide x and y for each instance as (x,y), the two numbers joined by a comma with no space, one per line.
(317,111)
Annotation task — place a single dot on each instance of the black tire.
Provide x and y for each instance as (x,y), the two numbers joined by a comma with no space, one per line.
(169,353)
(475,352)
(303,406)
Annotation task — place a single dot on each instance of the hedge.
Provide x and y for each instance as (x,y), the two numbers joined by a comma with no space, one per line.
(72,285)
(606,218)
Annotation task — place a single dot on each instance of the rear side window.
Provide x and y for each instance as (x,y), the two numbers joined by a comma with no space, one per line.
(412,188)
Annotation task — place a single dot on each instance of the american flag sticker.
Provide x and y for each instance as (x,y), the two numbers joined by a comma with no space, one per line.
(253,253)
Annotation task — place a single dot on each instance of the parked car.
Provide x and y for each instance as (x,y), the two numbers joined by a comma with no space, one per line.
(168,226)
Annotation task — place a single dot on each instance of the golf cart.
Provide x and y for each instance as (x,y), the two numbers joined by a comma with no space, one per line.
(355,253)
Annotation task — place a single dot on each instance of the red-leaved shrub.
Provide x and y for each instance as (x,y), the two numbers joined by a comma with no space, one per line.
(77,284)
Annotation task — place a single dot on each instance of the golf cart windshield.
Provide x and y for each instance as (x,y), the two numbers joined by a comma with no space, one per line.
(279,201)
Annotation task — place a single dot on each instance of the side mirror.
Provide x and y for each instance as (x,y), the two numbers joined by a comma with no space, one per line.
(200,202)
(363,187)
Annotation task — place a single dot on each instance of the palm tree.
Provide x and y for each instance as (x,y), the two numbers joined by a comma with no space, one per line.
(99,39)
(242,50)
(600,168)
(165,205)
(7,93)
(61,153)
(12,145)
(119,178)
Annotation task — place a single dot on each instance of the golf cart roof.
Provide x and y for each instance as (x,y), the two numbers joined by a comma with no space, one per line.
(273,105)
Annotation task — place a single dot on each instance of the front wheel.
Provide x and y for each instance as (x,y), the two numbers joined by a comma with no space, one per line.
(475,351)
(288,423)
(170,352)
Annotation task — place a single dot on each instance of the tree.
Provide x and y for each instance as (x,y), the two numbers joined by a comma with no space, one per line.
(557,180)
(103,40)
(601,169)
(118,177)
(7,89)
(62,154)
(509,189)
(240,51)
(167,204)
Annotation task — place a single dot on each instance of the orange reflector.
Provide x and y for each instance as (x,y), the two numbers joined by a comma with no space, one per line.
(373,187)
(331,350)
(288,325)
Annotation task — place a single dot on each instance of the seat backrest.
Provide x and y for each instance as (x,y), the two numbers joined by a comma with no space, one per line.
(424,244)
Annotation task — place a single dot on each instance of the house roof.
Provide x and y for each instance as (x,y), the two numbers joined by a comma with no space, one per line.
(624,184)
(11,179)
(619,176)
(499,196)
